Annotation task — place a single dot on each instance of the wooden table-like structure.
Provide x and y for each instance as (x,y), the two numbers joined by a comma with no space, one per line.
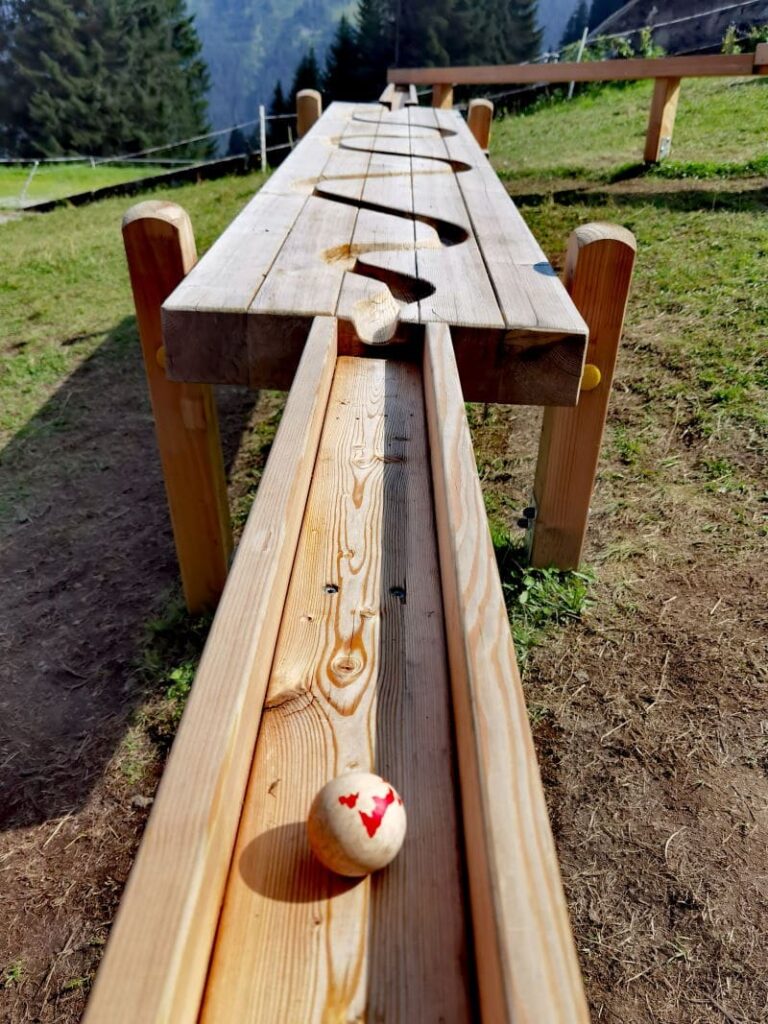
(387,221)
(382,274)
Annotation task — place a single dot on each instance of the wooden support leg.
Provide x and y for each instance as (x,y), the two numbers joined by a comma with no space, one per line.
(479,121)
(160,248)
(309,107)
(661,123)
(598,273)
(442,96)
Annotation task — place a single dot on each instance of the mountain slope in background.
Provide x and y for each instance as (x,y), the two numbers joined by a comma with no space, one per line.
(250,44)
(553,16)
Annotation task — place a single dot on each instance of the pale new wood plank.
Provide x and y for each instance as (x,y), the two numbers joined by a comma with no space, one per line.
(526,961)
(761,59)
(598,274)
(384,240)
(703,66)
(359,681)
(205,321)
(160,249)
(531,297)
(157,957)
(661,120)
(463,293)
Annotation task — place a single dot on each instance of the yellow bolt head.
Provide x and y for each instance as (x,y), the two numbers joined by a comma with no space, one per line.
(591,377)
(160,357)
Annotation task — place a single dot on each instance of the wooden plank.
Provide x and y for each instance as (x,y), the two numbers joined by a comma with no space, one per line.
(702,66)
(160,248)
(598,274)
(359,681)
(205,320)
(157,957)
(761,59)
(526,961)
(344,249)
(661,120)
(531,297)
(383,244)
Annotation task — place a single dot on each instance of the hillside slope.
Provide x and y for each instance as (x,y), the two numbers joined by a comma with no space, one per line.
(250,44)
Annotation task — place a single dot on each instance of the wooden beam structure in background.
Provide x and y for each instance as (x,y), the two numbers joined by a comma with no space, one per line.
(703,66)
(661,120)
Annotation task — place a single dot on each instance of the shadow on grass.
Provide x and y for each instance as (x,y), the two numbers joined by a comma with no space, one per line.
(681,199)
(86,561)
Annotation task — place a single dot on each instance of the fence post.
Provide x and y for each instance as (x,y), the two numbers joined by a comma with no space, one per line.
(479,118)
(263,136)
(309,107)
(661,121)
(160,248)
(442,96)
(579,55)
(598,274)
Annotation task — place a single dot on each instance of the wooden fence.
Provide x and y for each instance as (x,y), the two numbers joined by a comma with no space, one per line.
(666,71)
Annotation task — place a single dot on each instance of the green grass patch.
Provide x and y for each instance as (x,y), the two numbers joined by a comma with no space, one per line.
(64,287)
(56,181)
(719,122)
(536,599)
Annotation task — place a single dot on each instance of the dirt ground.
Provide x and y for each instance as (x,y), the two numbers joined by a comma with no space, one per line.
(649,713)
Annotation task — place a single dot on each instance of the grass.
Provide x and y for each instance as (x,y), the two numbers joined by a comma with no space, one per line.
(12,974)
(681,490)
(55,181)
(720,123)
(64,288)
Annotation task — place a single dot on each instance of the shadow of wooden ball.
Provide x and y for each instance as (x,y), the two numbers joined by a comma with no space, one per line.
(280,865)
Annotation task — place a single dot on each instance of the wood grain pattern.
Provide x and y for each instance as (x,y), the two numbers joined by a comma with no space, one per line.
(359,681)
(703,66)
(661,120)
(598,275)
(387,220)
(526,961)
(160,249)
(156,961)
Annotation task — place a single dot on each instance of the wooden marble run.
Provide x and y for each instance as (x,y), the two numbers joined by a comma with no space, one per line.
(383,275)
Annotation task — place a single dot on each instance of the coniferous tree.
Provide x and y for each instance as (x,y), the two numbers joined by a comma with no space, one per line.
(375,34)
(576,24)
(340,78)
(307,75)
(602,9)
(99,77)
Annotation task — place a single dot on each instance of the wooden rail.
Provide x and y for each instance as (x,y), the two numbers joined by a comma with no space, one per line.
(668,71)
(363,626)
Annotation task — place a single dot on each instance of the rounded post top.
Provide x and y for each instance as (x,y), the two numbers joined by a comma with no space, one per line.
(602,231)
(157,209)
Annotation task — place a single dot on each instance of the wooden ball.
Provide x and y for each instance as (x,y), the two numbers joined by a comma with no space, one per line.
(356,824)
